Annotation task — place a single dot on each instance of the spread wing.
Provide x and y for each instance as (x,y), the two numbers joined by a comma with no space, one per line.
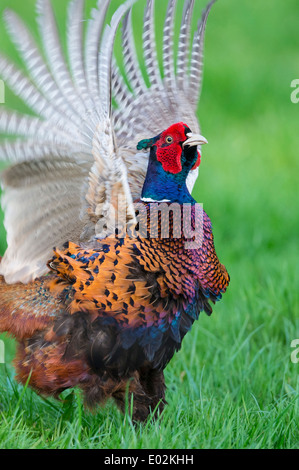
(74,165)
(65,167)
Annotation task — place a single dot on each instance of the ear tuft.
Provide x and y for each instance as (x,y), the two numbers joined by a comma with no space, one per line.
(145,144)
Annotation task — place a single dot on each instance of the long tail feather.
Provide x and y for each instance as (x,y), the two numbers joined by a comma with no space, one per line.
(91,52)
(131,64)
(196,66)
(75,52)
(168,56)
(56,61)
(149,46)
(184,44)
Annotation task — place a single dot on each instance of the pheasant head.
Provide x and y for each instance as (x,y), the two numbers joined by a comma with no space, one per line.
(173,153)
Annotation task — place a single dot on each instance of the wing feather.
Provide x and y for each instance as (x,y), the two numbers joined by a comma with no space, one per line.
(56,61)
(36,66)
(20,150)
(196,66)
(51,189)
(168,54)
(121,92)
(75,52)
(91,55)
(131,63)
(17,124)
(29,94)
(149,46)
(184,44)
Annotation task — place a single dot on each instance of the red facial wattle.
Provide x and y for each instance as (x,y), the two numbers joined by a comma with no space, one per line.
(170,154)
(170,157)
(197,163)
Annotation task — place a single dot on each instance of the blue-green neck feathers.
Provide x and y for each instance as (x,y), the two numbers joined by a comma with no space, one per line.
(162,185)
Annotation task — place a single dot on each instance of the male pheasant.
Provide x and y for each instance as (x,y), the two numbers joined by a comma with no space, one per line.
(134,261)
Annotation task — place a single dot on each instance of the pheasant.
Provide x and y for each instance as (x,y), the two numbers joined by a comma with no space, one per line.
(104,173)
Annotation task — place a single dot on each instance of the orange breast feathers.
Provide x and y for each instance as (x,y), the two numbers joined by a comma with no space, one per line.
(109,281)
(136,281)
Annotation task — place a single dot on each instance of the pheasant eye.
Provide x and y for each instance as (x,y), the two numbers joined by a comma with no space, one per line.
(169,139)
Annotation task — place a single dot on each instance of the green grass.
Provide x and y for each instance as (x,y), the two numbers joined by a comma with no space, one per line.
(233,384)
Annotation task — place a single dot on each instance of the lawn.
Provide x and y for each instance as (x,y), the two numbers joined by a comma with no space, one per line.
(233,384)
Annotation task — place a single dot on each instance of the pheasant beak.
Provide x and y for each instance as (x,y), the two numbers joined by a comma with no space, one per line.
(194,139)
